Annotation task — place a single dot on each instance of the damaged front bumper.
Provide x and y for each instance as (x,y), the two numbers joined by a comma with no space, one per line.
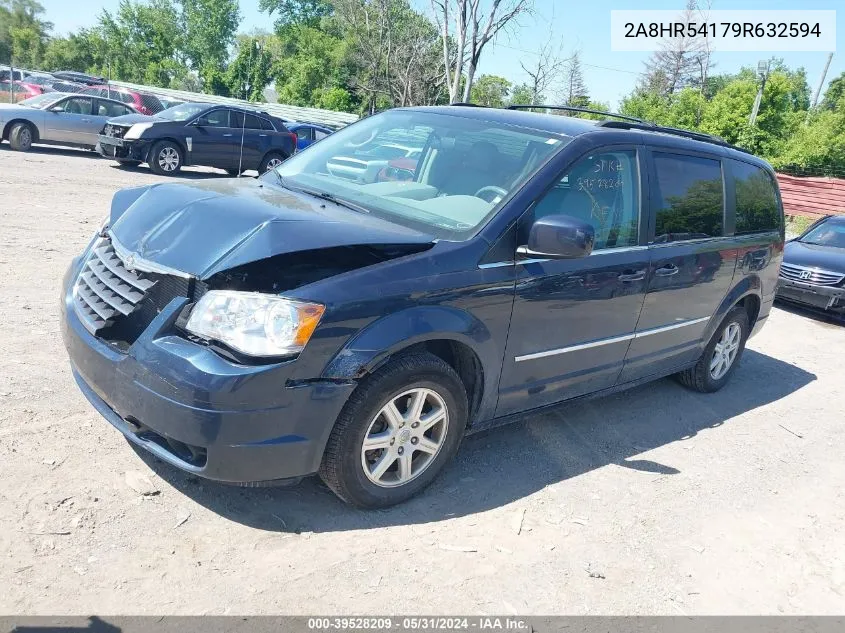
(198,411)
(813,295)
(122,149)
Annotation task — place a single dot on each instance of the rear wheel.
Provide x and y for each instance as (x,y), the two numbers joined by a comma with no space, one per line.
(21,137)
(271,161)
(399,429)
(165,158)
(721,356)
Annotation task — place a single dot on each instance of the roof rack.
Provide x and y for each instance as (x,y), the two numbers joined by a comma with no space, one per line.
(675,131)
(575,109)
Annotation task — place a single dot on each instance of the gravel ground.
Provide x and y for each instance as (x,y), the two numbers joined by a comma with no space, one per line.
(654,501)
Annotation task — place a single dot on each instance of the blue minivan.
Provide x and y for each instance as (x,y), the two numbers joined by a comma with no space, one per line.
(257,331)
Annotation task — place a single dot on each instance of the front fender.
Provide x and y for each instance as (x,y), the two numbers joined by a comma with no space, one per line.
(390,334)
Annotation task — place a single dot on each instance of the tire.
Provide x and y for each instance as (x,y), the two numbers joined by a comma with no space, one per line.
(165,158)
(21,137)
(397,382)
(701,376)
(273,159)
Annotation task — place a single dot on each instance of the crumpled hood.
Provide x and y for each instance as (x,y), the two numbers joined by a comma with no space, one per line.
(202,229)
(815,256)
(129,119)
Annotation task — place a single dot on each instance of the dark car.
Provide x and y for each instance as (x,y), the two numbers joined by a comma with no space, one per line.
(813,269)
(77,77)
(266,329)
(308,133)
(227,137)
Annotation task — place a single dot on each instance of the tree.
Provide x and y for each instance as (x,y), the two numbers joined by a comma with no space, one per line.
(23,34)
(296,12)
(491,91)
(209,28)
(77,52)
(574,89)
(140,43)
(833,94)
(249,72)
(523,94)
(544,71)
(679,61)
(472,31)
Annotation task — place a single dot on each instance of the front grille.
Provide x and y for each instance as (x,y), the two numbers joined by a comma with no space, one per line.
(810,275)
(117,304)
(115,131)
(105,289)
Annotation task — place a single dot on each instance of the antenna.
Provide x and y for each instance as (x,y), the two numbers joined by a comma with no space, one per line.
(243,130)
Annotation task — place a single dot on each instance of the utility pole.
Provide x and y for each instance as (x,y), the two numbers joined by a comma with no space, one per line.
(11,80)
(821,81)
(763,72)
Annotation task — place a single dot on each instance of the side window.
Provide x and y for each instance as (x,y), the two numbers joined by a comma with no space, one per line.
(215,118)
(111,109)
(603,190)
(78,105)
(319,135)
(689,203)
(266,125)
(756,200)
(305,133)
(236,119)
(252,122)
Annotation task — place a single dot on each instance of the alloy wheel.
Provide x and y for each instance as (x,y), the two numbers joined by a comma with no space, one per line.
(25,136)
(168,159)
(273,163)
(725,351)
(404,437)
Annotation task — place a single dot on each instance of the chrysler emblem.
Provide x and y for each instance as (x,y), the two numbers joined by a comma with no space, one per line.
(805,274)
(130,262)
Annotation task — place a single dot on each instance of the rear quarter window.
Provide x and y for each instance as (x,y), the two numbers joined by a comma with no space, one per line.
(757,207)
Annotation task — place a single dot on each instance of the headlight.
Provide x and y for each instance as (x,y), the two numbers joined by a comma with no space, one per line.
(253,323)
(136,130)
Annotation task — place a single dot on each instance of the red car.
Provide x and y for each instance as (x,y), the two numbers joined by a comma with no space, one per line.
(18,91)
(144,103)
(400,169)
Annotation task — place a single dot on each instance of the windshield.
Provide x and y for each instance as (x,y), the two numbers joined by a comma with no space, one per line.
(457,170)
(41,101)
(826,234)
(182,112)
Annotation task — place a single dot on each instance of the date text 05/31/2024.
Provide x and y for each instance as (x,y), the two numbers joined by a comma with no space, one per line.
(722,29)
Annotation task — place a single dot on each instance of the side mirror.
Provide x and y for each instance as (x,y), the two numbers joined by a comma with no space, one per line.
(559,237)
(57,109)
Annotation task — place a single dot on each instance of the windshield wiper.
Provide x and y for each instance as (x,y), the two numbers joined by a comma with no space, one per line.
(323,195)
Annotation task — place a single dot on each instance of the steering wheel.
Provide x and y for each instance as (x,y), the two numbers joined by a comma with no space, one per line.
(500,193)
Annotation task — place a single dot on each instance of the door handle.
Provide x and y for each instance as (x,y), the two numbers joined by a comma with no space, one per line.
(262,135)
(86,120)
(632,275)
(667,271)
(227,135)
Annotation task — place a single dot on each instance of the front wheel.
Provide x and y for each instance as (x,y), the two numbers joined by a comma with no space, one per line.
(721,356)
(165,158)
(399,429)
(271,161)
(21,137)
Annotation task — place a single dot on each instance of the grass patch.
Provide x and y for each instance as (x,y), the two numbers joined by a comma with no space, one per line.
(797,224)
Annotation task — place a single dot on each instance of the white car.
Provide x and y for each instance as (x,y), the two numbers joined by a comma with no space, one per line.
(364,166)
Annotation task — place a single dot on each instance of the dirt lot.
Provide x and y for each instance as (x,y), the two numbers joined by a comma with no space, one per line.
(657,500)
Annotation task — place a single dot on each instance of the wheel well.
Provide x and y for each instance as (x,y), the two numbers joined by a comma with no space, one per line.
(751,303)
(8,129)
(463,360)
(172,140)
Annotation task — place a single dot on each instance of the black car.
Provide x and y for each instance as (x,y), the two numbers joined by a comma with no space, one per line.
(259,330)
(76,77)
(227,137)
(813,269)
